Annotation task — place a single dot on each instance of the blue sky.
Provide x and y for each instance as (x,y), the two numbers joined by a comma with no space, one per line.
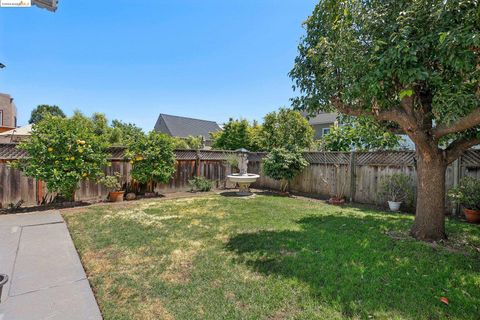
(211,59)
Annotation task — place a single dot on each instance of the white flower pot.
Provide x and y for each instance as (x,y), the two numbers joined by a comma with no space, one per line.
(394,206)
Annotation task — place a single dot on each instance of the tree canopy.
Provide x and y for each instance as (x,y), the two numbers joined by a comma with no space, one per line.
(125,133)
(236,134)
(412,63)
(44,109)
(286,128)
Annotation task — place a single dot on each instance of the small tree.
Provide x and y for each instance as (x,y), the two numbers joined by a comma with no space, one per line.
(152,159)
(283,164)
(286,128)
(43,110)
(63,151)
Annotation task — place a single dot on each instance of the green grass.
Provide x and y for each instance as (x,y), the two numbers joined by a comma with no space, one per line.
(271,258)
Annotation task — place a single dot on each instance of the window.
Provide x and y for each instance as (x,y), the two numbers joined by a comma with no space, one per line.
(1,118)
(325,131)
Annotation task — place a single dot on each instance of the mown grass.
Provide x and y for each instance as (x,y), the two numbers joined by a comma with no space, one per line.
(271,257)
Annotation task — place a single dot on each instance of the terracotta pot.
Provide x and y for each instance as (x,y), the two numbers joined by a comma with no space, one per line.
(116,196)
(473,216)
(336,201)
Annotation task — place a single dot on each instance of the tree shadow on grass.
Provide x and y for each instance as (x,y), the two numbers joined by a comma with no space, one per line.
(351,264)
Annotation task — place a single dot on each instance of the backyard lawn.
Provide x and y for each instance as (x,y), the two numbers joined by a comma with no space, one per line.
(271,257)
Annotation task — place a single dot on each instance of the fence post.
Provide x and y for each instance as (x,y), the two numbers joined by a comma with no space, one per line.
(352,176)
(457,173)
(197,163)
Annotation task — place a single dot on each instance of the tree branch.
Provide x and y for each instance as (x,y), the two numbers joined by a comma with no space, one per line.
(406,121)
(462,124)
(458,147)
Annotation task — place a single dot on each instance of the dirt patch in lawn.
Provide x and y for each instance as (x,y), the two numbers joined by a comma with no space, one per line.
(181,264)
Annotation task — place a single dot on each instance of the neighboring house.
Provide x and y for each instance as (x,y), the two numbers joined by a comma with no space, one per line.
(182,127)
(322,123)
(8,113)
(16,135)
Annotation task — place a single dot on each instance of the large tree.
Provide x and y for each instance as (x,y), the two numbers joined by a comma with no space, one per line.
(412,63)
(44,109)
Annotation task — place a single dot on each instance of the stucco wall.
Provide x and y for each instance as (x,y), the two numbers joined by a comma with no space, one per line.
(9,111)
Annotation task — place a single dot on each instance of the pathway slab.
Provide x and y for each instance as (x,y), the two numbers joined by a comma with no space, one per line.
(46,277)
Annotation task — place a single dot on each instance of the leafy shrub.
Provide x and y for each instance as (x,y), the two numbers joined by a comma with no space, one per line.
(232,161)
(397,187)
(112,183)
(200,184)
(467,193)
(62,152)
(283,164)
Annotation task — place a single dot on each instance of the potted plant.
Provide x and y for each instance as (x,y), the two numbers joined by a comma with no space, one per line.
(467,194)
(113,185)
(396,188)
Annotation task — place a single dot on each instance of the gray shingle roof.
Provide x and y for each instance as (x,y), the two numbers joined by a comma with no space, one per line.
(50,5)
(183,127)
(9,151)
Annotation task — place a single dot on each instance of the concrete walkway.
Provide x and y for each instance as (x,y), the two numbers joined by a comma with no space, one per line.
(46,277)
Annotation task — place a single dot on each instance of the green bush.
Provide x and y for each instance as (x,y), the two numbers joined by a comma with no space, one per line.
(283,164)
(467,193)
(62,152)
(201,184)
(397,187)
(112,183)
(152,159)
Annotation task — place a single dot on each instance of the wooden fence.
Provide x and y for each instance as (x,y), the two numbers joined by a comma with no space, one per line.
(355,174)
(15,187)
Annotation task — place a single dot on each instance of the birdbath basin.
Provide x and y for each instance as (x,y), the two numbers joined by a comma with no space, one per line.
(244,181)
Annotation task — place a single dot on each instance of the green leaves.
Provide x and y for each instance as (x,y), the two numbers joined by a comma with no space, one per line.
(63,151)
(366,51)
(236,134)
(152,158)
(360,133)
(405,93)
(283,164)
(286,128)
(442,36)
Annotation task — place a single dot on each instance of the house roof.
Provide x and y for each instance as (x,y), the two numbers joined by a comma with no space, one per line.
(22,131)
(321,118)
(183,127)
(50,5)
(9,151)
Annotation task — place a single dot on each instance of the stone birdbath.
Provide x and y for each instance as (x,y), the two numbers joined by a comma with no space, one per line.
(244,179)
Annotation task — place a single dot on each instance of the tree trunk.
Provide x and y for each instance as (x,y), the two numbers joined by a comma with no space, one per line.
(429,224)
